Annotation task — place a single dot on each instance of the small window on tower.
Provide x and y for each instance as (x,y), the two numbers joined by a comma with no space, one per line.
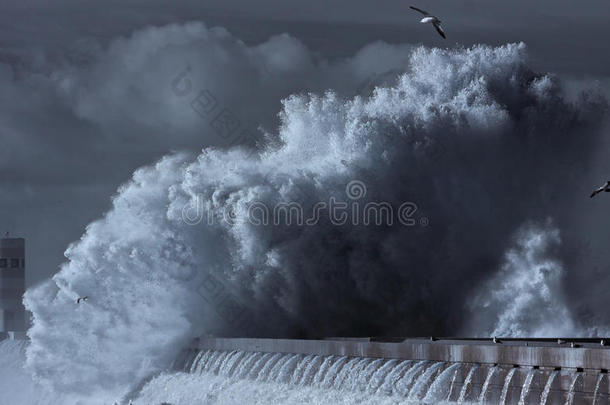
(3,263)
(23,262)
(14,263)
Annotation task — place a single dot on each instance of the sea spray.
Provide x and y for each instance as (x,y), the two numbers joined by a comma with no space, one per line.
(148,268)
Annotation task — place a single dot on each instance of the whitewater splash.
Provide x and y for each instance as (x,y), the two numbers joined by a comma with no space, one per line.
(16,384)
(456,133)
(237,377)
(293,378)
(229,377)
(529,278)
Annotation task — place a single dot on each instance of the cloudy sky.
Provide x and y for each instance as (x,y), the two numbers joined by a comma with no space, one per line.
(73,129)
(562,35)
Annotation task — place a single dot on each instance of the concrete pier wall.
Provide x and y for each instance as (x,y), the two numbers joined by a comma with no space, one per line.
(586,354)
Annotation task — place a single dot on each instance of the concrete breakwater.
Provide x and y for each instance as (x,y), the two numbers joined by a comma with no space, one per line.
(507,371)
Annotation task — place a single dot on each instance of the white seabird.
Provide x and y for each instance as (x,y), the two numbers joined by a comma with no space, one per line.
(79,299)
(605,187)
(429,18)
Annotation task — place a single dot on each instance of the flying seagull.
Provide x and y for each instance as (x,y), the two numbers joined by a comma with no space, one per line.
(428,18)
(85,298)
(605,187)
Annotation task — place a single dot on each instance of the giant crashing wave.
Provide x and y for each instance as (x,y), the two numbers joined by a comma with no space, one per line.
(472,138)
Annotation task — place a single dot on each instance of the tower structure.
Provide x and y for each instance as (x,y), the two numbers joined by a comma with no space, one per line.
(12,284)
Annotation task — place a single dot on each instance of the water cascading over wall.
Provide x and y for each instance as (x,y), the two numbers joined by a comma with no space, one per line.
(419,379)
